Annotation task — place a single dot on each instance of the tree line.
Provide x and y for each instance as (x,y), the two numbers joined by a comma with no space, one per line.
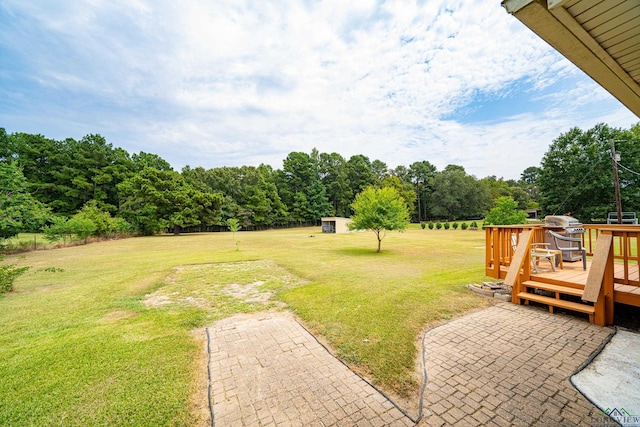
(576,173)
(89,177)
(47,182)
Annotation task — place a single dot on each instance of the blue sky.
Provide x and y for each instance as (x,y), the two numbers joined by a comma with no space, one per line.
(243,82)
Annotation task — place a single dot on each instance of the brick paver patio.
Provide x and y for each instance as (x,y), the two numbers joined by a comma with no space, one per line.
(509,365)
(506,365)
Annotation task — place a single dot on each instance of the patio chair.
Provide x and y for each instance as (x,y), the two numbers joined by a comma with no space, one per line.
(566,243)
(539,251)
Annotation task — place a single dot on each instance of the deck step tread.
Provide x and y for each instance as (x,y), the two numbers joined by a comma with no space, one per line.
(569,305)
(554,288)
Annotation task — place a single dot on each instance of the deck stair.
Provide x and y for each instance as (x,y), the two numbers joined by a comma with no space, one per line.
(558,291)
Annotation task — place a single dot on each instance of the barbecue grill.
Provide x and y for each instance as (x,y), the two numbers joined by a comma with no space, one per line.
(569,227)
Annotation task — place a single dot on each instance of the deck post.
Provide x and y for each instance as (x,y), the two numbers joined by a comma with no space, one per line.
(608,289)
(496,251)
(492,239)
(599,287)
(520,257)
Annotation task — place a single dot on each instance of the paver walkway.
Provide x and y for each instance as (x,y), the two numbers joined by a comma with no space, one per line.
(270,371)
(506,365)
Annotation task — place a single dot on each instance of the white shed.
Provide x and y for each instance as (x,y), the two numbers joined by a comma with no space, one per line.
(335,225)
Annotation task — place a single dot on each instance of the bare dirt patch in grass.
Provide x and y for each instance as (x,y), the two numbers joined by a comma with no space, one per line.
(207,285)
(249,293)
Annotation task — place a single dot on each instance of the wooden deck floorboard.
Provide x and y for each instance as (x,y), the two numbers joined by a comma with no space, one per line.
(573,275)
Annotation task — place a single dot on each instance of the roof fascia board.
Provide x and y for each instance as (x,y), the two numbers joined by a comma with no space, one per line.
(552,4)
(512,6)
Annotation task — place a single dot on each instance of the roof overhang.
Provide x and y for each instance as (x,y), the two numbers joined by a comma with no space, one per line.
(601,37)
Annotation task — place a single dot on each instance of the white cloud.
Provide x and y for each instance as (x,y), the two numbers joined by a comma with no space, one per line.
(243,81)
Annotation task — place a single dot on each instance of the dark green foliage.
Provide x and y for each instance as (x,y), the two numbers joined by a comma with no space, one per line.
(380,171)
(332,169)
(256,198)
(359,173)
(530,175)
(423,225)
(446,225)
(8,274)
(154,199)
(19,211)
(576,177)
(464,226)
(421,174)
(456,194)
(65,175)
(438,225)
(431,225)
(147,160)
(455,225)
(301,188)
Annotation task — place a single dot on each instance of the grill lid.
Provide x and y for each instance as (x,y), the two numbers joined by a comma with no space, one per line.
(562,221)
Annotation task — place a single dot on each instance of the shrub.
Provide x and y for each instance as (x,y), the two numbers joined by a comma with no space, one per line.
(474,226)
(463,226)
(431,225)
(81,227)
(423,225)
(446,226)
(505,212)
(455,225)
(90,213)
(118,227)
(438,225)
(8,273)
(57,230)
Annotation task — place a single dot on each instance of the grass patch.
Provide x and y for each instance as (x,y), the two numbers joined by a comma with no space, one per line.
(101,334)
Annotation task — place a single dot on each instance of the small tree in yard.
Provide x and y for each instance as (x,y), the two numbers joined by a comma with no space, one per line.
(234,225)
(505,212)
(7,275)
(379,210)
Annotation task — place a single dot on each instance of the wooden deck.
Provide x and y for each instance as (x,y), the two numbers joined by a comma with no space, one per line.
(612,274)
(573,274)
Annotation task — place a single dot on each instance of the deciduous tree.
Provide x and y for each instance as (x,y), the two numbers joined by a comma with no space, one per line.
(379,210)
(576,176)
(458,195)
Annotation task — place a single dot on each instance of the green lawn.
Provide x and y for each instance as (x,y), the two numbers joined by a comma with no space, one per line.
(81,344)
